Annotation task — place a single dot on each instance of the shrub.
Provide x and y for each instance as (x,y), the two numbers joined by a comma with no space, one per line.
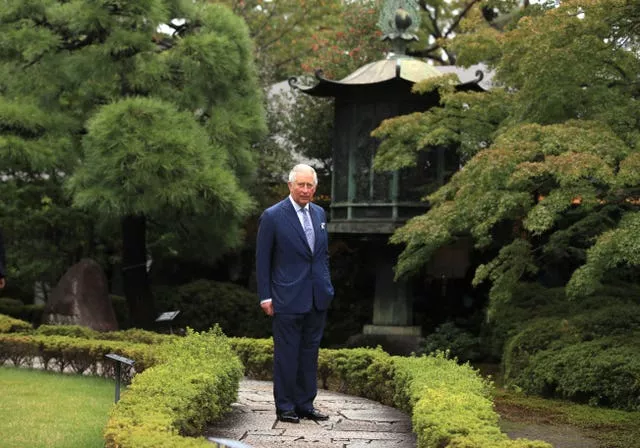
(7,301)
(9,324)
(459,343)
(590,356)
(256,356)
(359,371)
(539,335)
(604,371)
(194,383)
(204,303)
(529,301)
(450,405)
(17,309)
(73,331)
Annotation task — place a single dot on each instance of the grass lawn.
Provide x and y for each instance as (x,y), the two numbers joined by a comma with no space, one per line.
(45,410)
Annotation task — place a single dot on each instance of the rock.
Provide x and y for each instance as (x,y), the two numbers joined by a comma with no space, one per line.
(81,297)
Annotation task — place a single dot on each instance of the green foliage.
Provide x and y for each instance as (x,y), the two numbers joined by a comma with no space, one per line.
(256,356)
(459,343)
(11,325)
(360,371)
(195,383)
(585,355)
(349,44)
(434,388)
(77,72)
(614,248)
(548,188)
(121,310)
(66,352)
(17,309)
(73,331)
(135,163)
(284,31)
(203,303)
(602,372)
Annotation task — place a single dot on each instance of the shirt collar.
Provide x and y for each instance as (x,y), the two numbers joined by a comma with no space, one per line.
(296,206)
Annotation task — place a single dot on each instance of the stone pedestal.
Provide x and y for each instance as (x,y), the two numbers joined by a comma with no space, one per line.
(392,303)
(392,330)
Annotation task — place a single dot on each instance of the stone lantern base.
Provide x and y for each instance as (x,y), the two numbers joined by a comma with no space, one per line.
(392,330)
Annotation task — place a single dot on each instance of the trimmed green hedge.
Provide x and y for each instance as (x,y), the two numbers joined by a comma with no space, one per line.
(12,325)
(135,335)
(18,310)
(450,405)
(65,352)
(194,383)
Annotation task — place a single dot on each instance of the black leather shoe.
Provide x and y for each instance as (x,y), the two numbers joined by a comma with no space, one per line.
(313,414)
(288,416)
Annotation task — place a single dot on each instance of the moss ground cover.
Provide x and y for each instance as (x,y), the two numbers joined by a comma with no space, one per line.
(611,428)
(50,410)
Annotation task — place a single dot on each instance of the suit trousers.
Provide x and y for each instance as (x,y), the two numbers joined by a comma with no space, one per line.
(296,342)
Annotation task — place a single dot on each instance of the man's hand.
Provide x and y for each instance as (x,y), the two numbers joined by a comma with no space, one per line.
(267,307)
(2,282)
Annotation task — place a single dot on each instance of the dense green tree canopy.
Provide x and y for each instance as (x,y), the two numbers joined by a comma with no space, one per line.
(141,124)
(550,185)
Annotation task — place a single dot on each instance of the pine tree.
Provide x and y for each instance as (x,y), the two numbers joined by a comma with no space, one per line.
(153,126)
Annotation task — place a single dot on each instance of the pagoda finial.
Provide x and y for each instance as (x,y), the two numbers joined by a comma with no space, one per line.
(399,21)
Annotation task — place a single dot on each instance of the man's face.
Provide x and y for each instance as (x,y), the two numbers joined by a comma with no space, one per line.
(302,189)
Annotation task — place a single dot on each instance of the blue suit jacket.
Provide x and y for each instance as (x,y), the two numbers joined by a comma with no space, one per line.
(287,271)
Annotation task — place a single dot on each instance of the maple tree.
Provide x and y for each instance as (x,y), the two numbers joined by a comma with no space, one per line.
(551,180)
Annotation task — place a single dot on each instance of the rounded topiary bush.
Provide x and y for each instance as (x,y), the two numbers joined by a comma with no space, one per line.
(590,356)
(459,343)
(602,372)
(541,334)
(203,303)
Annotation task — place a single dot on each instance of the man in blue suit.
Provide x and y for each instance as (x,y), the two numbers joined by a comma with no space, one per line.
(294,286)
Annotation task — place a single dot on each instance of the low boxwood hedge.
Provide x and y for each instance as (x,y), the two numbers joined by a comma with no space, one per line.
(12,325)
(194,383)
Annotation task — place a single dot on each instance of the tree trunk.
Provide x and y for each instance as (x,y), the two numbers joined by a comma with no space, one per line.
(134,272)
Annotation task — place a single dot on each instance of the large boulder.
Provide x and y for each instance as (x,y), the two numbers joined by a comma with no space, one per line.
(81,297)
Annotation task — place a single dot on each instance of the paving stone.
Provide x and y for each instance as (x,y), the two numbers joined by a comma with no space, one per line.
(381,444)
(354,422)
(376,415)
(359,425)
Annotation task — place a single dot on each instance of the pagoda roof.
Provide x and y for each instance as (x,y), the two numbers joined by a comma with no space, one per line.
(404,69)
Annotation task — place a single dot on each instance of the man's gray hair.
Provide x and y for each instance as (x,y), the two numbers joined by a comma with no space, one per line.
(302,168)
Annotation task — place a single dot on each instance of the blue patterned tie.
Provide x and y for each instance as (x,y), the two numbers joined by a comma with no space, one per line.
(308,229)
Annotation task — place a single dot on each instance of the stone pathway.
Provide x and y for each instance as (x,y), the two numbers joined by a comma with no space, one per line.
(354,422)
